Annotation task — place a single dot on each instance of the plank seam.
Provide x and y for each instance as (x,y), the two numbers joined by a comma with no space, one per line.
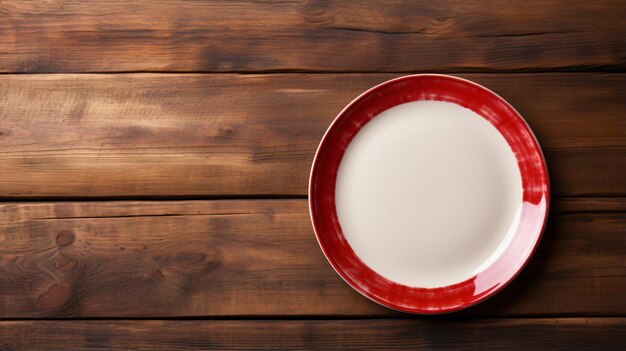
(611,69)
(323,318)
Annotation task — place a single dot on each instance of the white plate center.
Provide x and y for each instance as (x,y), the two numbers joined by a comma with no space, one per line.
(428,193)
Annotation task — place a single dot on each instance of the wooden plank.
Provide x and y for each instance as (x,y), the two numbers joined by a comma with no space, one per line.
(403,334)
(259,257)
(137,135)
(357,36)
(592,205)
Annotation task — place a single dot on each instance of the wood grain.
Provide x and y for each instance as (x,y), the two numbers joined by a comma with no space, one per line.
(355,36)
(218,272)
(402,334)
(260,258)
(141,135)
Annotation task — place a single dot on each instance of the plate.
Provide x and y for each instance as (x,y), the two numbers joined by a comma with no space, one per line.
(428,193)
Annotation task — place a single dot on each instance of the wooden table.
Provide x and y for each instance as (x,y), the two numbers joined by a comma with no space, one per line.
(154,159)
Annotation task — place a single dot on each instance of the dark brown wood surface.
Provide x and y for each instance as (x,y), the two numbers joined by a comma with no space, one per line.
(259,257)
(398,334)
(335,36)
(209,135)
(154,160)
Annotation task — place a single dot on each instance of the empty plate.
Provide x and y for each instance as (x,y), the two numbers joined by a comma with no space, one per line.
(428,193)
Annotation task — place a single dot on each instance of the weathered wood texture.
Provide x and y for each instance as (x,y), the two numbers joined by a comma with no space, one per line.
(381,36)
(403,334)
(167,135)
(260,257)
(210,135)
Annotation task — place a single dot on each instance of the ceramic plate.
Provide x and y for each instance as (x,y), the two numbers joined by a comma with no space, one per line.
(428,193)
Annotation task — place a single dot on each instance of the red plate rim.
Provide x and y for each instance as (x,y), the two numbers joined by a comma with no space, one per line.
(535,183)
